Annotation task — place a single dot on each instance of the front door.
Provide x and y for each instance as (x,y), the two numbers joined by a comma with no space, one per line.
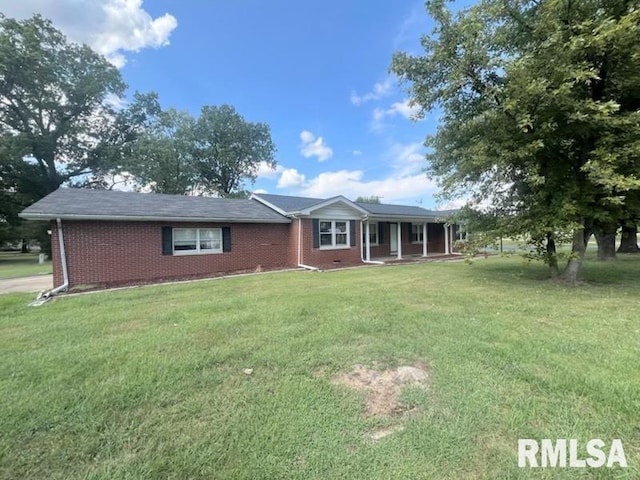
(393,238)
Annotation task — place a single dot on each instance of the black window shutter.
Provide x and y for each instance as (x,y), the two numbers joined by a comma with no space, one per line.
(167,240)
(352,233)
(381,233)
(226,239)
(316,233)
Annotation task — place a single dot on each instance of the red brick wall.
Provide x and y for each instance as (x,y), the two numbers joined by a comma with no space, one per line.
(317,257)
(106,253)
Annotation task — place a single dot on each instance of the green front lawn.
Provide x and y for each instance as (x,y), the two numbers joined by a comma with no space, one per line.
(149,383)
(16,264)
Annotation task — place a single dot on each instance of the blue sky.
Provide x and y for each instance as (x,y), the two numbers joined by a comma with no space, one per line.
(316,73)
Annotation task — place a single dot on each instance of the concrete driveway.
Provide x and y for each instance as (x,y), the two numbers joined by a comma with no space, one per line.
(35,283)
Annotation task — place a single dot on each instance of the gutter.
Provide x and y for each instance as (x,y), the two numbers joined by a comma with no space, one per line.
(141,218)
(63,260)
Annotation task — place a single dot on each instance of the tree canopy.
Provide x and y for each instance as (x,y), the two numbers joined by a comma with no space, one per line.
(52,101)
(370,199)
(59,125)
(228,150)
(540,112)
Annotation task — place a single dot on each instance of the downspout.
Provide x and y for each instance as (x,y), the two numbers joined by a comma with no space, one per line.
(372,262)
(63,261)
(300,264)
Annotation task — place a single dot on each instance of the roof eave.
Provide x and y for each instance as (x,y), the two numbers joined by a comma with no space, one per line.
(138,218)
(331,201)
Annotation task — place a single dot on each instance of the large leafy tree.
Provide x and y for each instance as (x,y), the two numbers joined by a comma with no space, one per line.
(52,101)
(228,150)
(161,155)
(56,124)
(540,115)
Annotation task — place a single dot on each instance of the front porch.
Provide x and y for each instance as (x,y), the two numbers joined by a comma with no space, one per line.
(395,239)
(415,258)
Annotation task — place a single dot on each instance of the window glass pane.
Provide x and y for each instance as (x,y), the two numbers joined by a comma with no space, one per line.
(341,227)
(341,238)
(210,239)
(185,239)
(325,239)
(325,227)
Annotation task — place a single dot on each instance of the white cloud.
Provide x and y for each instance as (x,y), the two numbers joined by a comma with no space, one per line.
(406,159)
(290,177)
(314,147)
(404,109)
(350,184)
(111,27)
(267,171)
(356,153)
(380,90)
(260,190)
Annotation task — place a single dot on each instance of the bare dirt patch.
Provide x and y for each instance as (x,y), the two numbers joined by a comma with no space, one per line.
(382,388)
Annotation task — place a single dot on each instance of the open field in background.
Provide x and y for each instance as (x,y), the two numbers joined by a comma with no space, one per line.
(149,382)
(16,264)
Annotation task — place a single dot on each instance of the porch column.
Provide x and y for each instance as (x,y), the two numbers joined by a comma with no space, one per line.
(446,239)
(367,243)
(399,232)
(452,237)
(424,239)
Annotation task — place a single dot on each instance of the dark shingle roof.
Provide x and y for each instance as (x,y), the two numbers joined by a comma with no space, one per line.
(289,204)
(403,210)
(69,203)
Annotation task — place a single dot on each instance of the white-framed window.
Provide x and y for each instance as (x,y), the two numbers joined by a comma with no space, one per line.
(373,234)
(417,233)
(191,241)
(334,234)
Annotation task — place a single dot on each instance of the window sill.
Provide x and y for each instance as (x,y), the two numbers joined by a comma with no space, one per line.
(341,247)
(187,254)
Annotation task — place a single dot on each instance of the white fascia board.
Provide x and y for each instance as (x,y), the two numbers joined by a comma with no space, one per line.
(331,201)
(48,216)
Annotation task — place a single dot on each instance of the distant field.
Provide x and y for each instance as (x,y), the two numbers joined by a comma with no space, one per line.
(149,382)
(15,264)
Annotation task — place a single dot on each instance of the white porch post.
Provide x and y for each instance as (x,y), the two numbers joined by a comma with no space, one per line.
(424,239)
(367,243)
(399,232)
(446,239)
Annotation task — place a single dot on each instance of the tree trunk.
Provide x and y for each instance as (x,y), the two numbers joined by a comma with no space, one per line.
(629,241)
(579,246)
(606,245)
(25,246)
(552,256)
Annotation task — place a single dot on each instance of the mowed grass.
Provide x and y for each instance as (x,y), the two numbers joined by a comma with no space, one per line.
(149,383)
(16,264)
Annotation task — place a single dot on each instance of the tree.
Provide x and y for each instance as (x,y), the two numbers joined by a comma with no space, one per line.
(540,112)
(228,150)
(161,156)
(52,100)
(371,199)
